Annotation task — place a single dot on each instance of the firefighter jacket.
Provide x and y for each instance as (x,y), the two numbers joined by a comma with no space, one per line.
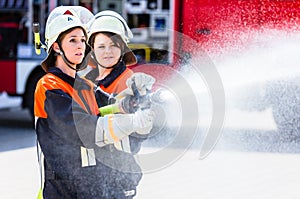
(66,123)
(111,85)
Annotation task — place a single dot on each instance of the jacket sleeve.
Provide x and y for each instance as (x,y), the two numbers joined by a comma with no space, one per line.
(68,119)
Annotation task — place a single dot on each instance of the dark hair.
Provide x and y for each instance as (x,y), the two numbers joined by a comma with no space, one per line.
(116,39)
(50,61)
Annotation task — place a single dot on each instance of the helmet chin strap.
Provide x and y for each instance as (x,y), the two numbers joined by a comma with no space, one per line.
(94,57)
(68,62)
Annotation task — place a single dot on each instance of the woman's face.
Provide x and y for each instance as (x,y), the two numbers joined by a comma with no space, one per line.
(107,53)
(74,44)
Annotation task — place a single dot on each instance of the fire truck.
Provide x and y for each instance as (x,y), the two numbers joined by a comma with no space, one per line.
(162,29)
(20,65)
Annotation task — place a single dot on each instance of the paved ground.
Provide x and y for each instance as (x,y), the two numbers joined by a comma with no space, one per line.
(226,175)
(232,175)
(246,164)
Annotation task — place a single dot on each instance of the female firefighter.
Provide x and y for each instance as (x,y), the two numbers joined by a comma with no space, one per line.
(108,61)
(110,56)
(74,140)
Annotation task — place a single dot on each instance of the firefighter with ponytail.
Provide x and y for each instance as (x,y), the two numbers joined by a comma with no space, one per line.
(73,139)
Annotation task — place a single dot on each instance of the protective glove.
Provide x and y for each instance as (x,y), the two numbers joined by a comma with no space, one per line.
(143,84)
(142,81)
(114,127)
(143,121)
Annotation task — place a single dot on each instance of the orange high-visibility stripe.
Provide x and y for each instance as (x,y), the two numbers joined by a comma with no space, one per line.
(111,128)
(50,82)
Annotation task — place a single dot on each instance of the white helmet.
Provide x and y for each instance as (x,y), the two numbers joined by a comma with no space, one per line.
(110,21)
(61,19)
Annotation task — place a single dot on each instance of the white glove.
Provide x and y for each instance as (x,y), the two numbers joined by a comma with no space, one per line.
(142,81)
(143,121)
(143,84)
(114,127)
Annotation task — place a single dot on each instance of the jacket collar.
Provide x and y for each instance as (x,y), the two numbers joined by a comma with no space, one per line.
(80,83)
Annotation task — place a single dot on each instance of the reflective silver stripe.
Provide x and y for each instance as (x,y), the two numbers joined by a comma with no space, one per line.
(126,144)
(118,146)
(99,134)
(102,91)
(129,193)
(103,138)
(123,145)
(35,121)
(103,134)
(40,155)
(87,157)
